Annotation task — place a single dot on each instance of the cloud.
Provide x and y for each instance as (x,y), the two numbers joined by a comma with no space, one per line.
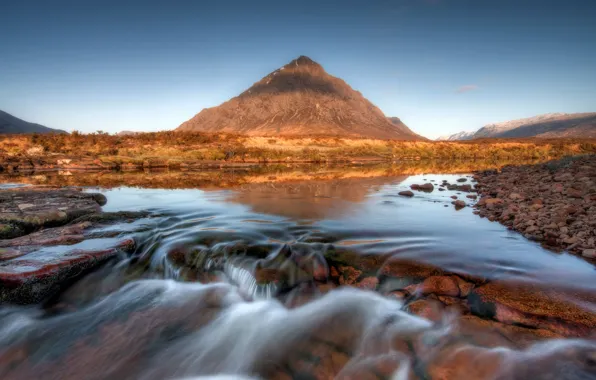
(467,88)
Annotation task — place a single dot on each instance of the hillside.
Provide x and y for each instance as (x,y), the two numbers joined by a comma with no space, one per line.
(299,99)
(552,125)
(12,125)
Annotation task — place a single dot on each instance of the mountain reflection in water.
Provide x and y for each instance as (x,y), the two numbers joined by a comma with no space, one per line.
(312,272)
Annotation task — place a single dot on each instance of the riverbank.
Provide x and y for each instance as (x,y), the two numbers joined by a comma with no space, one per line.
(194,151)
(553,203)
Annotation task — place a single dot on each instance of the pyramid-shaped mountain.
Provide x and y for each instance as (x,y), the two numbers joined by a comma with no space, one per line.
(300,99)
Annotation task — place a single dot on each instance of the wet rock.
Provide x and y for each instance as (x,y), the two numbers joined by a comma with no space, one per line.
(368,283)
(348,275)
(406,193)
(465,361)
(428,309)
(33,277)
(9,231)
(102,218)
(462,180)
(515,336)
(28,210)
(65,235)
(438,285)
(10,253)
(532,305)
(427,187)
(459,204)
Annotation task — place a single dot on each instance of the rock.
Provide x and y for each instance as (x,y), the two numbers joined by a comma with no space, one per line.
(589,253)
(462,180)
(428,309)
(27,210)
(428,187)
(31,278)
(9,231)
(471,196)
(438,285)
(533,305)
(573,193)
(453,197)
(10,253)
(406,193)
(459,204)
(558,196)
(516,336)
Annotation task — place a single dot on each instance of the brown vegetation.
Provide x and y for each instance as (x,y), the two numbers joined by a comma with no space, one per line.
(185,149)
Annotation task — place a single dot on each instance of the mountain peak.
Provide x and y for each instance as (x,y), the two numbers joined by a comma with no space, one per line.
(304,61)
(300,98)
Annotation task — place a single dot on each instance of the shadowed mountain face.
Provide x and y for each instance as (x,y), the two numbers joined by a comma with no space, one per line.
(551,125)
(10,124)
(299,99)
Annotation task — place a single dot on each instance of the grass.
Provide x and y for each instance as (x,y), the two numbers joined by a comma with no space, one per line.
(176,148)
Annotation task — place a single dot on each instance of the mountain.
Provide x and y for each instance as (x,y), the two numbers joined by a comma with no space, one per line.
(127,133)
(12,125)
(457,136)
(549,125)
(300,98)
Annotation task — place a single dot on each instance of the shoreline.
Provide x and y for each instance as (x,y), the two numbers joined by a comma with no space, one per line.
(553,203)
(179,150)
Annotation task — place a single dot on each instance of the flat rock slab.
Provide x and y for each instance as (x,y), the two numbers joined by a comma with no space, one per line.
(33,277)
(47,242)
(26,210)
(65,235)
(536,306)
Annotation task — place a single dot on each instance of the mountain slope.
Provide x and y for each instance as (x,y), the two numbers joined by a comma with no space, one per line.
(550,125)
(11,125)
(299,99)
(457,136)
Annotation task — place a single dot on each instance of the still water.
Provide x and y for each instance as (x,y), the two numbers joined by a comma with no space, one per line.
(302,274)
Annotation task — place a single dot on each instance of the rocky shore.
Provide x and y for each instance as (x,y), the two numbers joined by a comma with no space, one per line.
(40,229)
(552,203)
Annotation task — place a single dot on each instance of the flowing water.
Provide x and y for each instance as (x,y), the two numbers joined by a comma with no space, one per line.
(303,274)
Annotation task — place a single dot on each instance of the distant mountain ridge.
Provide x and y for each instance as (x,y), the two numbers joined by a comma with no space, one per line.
(551,125)
(457,136)
(10,124)
(300,99)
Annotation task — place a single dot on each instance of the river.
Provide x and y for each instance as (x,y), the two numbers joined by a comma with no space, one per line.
(309,273)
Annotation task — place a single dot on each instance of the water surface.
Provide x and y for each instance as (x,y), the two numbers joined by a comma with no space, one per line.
(229,277)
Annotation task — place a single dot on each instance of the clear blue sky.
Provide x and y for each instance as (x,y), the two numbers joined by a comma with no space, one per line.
(442,66)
